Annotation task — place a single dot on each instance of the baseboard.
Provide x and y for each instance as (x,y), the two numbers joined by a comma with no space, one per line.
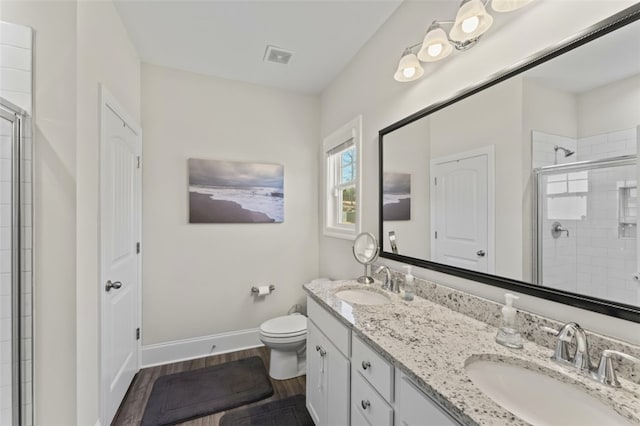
(184,350)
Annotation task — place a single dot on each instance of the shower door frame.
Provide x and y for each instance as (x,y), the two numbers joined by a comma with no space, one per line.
(538,213)
(15,115)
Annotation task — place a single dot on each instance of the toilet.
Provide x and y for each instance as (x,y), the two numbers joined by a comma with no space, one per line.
(286,337)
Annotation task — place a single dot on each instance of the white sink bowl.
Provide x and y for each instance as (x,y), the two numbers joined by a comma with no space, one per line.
(539,399)
(361,296)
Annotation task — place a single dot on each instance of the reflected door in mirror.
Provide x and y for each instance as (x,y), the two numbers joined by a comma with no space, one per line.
(460,212)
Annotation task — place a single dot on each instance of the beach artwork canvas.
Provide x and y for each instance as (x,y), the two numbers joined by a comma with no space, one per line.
(235,192)
(396,193)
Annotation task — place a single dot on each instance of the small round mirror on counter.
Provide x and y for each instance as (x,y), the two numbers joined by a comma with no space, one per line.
(366,250)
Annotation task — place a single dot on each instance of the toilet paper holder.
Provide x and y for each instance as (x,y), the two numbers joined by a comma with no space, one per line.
(254,289)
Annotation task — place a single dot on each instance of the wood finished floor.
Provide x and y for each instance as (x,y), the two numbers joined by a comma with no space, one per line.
(132,408)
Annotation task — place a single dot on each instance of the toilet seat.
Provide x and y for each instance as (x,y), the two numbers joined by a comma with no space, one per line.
(285,327)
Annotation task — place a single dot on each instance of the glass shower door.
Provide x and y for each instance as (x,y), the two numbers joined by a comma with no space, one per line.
(587,228)
(10,297)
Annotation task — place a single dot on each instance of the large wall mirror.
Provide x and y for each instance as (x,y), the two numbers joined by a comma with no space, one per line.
(529,180)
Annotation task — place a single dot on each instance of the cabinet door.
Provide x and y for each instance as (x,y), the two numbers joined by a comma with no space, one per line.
(327,380)
(316,386)
(338,385)
(414,408)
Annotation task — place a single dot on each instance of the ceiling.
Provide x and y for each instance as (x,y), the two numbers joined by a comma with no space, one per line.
(228,38)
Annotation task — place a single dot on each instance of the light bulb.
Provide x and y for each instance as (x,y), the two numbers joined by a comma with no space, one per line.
(470,24)
(434,49)
(409,72)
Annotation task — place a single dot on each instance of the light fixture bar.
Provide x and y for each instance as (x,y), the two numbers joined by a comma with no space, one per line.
(472,21)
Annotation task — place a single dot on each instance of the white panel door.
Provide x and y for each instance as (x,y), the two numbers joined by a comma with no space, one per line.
(120,224)
(460,208)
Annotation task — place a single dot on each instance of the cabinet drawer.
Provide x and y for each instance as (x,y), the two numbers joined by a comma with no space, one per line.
(338,333)
(368,404)
(373,367)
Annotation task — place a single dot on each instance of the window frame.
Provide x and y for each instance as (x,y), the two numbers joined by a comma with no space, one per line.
(351,131)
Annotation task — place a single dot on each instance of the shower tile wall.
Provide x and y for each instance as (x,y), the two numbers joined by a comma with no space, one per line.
(15,86)
(614,144)
(594,259)
(606,262)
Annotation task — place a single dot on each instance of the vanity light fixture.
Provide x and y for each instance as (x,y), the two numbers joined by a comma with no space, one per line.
(435,45)
(472,21)
(409,68)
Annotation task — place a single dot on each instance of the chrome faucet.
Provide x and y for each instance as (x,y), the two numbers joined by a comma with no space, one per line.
(561,354)
(604,373)
(386,283)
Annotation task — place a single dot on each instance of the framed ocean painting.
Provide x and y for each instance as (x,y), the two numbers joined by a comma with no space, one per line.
(235,192)
(396,190)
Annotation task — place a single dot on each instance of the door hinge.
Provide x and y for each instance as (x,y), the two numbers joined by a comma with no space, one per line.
(137,248)
(138,158)
(435,181)
(138,333)
(436,235)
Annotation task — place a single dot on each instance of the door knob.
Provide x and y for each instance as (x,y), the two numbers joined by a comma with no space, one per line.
(480,253)
(115,285)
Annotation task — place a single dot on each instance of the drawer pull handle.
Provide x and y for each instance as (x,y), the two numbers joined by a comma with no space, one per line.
(322,351)
(365,404)
(365,365)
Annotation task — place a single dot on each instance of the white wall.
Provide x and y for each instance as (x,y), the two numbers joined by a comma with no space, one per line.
(406,150)
(492,117)
(197,278)
(54,170)
(622,112)
(366,87)
(104,56)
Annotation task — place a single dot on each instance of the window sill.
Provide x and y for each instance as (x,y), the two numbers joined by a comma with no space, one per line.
(340,233)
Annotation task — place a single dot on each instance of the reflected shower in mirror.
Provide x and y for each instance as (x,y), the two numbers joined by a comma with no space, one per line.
(532,179)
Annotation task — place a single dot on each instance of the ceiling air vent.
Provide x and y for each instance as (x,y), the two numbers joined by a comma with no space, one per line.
(277,55)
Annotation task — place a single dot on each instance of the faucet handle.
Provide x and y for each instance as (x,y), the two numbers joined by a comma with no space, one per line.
(561,352)
(606,374)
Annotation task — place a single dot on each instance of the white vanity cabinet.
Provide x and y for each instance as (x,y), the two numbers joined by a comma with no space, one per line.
(349,383)
(328,383)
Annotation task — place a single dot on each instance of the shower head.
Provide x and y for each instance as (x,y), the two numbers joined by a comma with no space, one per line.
(567,152)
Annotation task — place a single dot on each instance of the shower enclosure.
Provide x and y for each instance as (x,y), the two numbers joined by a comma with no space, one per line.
(15,269)
(585,217)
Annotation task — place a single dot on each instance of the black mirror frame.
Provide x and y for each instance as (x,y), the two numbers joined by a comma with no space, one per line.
(613,309)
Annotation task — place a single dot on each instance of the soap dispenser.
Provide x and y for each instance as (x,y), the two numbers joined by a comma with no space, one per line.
(409,285)
(508,334)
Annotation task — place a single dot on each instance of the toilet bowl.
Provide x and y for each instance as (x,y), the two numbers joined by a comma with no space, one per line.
(286,337)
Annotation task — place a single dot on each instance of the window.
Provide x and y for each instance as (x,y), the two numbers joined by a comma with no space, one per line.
(342,181)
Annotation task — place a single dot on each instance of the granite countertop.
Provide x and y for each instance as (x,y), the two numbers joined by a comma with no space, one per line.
(432,344)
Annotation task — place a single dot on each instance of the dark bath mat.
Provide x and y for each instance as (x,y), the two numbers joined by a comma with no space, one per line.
(179,397)
(285,412)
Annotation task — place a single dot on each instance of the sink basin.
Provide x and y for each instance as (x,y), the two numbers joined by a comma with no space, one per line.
(540,399)
(361,296)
